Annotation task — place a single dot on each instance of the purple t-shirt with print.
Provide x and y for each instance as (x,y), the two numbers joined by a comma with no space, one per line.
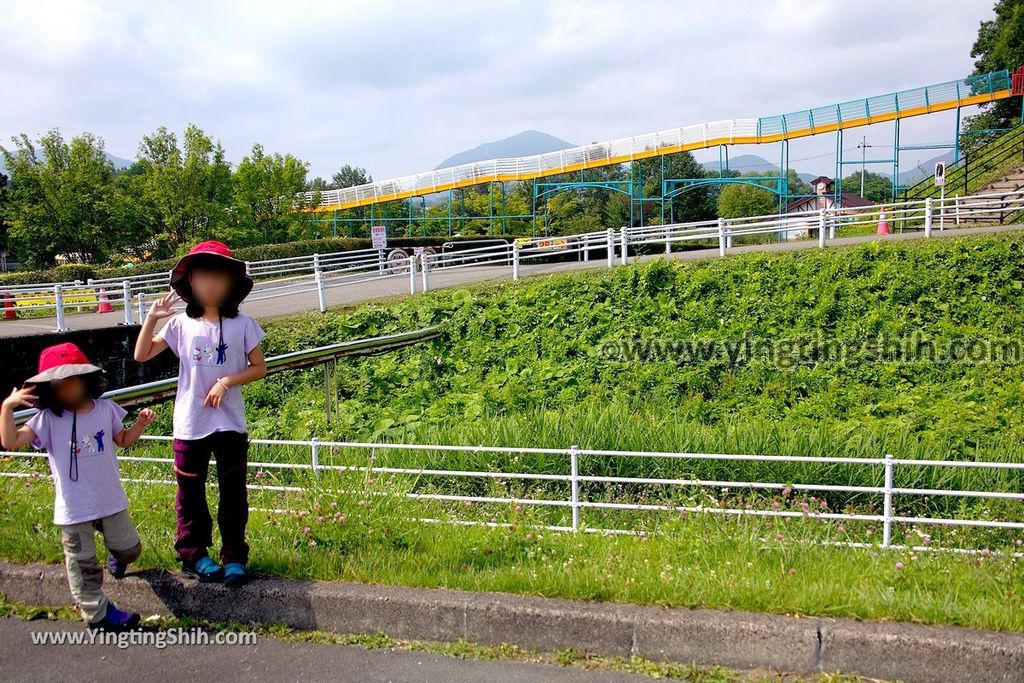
(97,492)
(208,351)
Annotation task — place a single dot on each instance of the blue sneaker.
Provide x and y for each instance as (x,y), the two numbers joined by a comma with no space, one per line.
(116,568)
(204,569)
(235,574)
(115,620)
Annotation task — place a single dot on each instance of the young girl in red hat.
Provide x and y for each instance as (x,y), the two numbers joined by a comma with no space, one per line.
(218,349)
(80,431)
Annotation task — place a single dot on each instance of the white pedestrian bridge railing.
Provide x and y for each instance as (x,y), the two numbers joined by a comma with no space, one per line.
(318,274)
(589,490)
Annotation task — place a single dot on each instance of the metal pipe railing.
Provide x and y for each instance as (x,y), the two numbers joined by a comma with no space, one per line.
(360,456)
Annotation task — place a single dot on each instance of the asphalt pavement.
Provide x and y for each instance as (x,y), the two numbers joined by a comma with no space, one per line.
(269,659)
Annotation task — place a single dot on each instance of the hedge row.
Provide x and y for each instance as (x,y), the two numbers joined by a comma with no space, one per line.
(79,271)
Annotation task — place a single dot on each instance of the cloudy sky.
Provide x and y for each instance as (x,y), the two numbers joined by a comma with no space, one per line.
(398,86)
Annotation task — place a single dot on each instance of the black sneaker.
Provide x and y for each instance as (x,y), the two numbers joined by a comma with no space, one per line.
(204,569)
(115,620)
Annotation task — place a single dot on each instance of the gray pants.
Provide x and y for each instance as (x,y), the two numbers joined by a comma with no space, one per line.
(85,574)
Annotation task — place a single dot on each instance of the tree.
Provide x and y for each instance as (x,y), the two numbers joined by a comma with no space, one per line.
(742,200)
(317,184)
(60,198)
(999,45)
(4,238)
(877,187)
(795,185)
(188,189)
(349,176)
(265,188)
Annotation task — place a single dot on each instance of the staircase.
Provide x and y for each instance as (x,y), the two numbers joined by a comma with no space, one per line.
(993,168)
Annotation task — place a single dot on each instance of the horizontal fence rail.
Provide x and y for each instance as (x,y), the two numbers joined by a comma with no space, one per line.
(152,392)
(319,273)
(571,475)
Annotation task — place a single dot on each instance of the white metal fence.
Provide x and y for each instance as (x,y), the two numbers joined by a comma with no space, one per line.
(319,273)
(999,479)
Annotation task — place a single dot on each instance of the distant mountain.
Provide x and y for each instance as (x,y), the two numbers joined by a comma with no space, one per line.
(120,163)
(523,144)
(751,163)
(922,170)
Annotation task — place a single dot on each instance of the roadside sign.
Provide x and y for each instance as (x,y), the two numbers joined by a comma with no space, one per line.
(379,236)
(940,174)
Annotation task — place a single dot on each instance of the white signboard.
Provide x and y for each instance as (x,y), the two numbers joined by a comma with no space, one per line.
(940,174)
(379,235)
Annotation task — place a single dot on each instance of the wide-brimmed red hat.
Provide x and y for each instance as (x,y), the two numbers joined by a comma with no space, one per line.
(213,253)
(60,362)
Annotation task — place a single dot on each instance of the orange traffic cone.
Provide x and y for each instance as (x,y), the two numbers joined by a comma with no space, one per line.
(883,225)
(104,303)
(9,312)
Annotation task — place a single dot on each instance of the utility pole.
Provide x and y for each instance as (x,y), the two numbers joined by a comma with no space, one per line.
(863,146)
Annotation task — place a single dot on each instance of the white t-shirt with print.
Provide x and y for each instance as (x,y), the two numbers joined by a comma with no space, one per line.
(208,351)
(97,492)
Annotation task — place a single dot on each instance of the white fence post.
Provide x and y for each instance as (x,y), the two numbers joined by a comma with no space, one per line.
(574,468)
(721,237)
(956,204)
(380,261)
(623,241)
(314,456)
(126,300)
(887,503)
(610,236)
(831,218)
(319,279)
(927,216)
(424,270)
(58,304)
(821,228)
(142,307)
(412,274)
(586,247)
(668,242)
(515,260)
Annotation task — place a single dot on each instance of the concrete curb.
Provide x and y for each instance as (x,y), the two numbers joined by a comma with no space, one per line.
(708,637)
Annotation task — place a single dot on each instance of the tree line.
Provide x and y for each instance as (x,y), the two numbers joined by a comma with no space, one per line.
(66,199)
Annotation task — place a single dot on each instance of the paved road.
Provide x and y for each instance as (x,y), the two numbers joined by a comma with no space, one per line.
(269,659)
(399,286)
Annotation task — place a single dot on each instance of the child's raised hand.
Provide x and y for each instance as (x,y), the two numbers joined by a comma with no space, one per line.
(21,398)
(164,308)
(146,417)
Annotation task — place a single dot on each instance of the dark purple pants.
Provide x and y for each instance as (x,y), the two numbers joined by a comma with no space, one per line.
(195,527)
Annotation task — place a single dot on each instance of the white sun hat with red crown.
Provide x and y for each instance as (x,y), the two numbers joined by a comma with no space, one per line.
(61,362)
(210,252)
